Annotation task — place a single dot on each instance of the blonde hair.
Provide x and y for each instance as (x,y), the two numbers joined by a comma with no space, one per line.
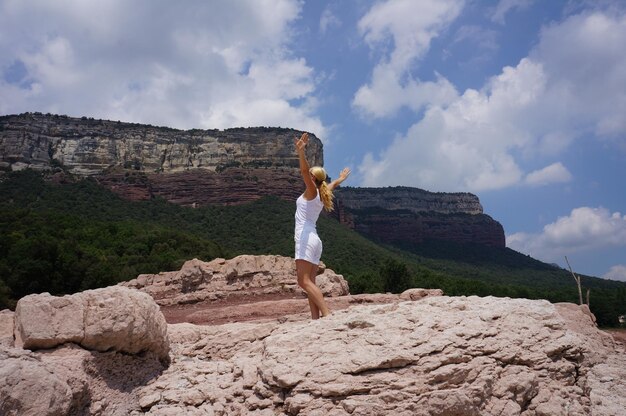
(326,195)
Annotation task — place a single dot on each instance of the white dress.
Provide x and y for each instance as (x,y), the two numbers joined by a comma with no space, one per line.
(308,243)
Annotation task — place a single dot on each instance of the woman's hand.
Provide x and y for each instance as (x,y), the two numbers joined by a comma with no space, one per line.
(343,175)
(302,142)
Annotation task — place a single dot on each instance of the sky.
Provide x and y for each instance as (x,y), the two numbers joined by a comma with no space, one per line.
(520,102)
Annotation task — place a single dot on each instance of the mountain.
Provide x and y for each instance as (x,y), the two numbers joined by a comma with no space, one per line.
(403,215)
(229,167)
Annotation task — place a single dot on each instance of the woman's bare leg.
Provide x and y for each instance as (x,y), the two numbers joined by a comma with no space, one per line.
(315,311)
(303,269)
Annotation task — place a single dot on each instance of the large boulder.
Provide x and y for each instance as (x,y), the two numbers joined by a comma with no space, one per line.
(242,276)
(114,318)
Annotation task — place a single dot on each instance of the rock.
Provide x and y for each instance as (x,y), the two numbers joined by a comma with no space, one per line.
(6,328)
(114,318)
(30,388)
(102,383)
(242,276)
(332,284)
(45,321)
(435,356)
(416,293)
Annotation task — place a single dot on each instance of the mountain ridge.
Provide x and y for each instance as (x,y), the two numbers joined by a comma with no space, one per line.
(226,167)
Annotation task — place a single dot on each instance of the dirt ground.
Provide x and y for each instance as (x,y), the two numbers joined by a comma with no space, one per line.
(240,309)
(619,335)
(261,307)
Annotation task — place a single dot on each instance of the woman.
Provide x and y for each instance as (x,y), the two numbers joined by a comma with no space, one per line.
(318,195)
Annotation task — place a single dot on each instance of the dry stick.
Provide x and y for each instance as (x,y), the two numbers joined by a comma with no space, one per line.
(577,278)
(588,296)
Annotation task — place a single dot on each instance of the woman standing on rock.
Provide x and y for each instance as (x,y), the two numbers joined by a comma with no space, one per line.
(318,195)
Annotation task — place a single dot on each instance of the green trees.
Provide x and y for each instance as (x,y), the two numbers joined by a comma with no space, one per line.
(395,276)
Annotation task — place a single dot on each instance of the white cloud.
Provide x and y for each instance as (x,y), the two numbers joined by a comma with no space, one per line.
(617,272)
(554,173)
(505,6)
(197,64)
(409,26)
(585,229)
(328,20)
(573,83)
(479,37)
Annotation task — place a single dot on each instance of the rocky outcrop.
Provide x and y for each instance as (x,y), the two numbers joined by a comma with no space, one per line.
(436,355)
(405,216)
(114,318)
(243,276)
(69,380)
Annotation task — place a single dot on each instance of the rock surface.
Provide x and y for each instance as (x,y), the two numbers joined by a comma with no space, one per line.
(6,328)
(114,318)
(70,380)
(436,356)
(29,388)
(242,276)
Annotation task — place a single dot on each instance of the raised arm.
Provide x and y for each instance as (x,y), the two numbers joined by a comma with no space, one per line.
(342,177)
(311,189)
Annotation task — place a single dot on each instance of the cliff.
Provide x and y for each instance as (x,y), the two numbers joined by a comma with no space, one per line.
(90,147)
(188,167)
(401,216)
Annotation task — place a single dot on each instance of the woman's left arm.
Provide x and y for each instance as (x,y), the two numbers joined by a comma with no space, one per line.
(343,175)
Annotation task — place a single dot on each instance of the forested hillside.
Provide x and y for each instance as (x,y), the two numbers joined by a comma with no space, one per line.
(64,238)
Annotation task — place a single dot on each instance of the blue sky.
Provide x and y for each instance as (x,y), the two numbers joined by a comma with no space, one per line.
(521,102)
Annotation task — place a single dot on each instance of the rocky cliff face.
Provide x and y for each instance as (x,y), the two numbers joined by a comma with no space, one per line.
(409,199)
(191,167)
(401,215)
(89,147)
(234,166)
